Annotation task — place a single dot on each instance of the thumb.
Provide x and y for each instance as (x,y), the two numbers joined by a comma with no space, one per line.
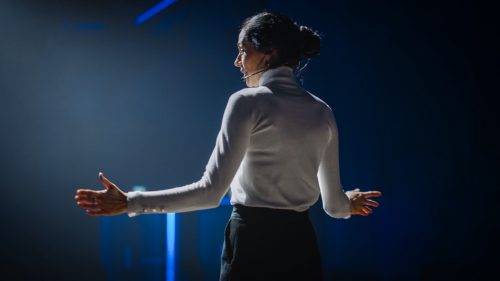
(106,182)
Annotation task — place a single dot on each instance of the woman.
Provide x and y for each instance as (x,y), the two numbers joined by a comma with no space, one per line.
(277,150)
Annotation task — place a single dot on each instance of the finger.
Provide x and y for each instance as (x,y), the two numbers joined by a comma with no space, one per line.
(86,205)
(367,210)
(369,194)
(85,201)
(357,212)
(360,211)
(88,197)
(87,192)
(371,203)
(356,189)
(105,181)
(95,212)
(93,208)
(83,197)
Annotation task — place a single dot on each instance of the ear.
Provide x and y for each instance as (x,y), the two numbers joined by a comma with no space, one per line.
(271,56)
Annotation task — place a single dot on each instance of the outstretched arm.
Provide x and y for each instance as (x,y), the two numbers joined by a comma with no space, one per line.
(230,148)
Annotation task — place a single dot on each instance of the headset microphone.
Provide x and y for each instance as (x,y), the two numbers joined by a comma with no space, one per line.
(256,72)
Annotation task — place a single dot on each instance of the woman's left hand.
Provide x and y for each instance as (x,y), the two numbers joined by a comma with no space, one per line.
(108,202)
(360,202)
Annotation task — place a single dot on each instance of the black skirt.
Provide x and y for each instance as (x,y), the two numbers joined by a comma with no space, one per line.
(269,244)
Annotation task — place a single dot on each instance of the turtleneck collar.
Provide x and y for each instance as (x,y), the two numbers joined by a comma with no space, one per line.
(282,75)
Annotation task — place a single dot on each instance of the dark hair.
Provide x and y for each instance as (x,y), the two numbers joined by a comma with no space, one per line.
(293,43)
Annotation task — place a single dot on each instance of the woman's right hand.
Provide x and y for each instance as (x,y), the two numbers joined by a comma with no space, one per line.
(360,202)
(107,202)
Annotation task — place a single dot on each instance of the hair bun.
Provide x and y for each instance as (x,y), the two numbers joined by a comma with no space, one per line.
(271,31)
(310,42)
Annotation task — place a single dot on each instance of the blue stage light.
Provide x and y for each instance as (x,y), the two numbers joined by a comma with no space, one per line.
(226,201)
(170,260)
(153,11)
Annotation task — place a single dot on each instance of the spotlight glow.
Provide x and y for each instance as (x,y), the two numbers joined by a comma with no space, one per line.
(170,260)
(153,11)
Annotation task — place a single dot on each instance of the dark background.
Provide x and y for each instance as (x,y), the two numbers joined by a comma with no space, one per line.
(83,89)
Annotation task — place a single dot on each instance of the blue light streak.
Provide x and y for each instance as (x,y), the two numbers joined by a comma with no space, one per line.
(170,260)
(153,11)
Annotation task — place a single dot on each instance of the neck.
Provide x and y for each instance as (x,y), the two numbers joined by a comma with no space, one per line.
(283,75)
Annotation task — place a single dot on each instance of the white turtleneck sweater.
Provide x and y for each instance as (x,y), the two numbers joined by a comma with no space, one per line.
(277,148)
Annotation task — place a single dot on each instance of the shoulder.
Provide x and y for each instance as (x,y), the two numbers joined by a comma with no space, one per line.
(242,102)
(326,109)
(248,96)
(323,104)
(251,93)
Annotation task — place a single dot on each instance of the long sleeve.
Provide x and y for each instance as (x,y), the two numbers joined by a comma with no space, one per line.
(231,144)
(335,202)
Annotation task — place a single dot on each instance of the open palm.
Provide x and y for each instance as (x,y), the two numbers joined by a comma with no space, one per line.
(107,202)
(360,204)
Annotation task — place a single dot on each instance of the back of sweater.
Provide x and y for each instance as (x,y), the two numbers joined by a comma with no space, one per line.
(277,148)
